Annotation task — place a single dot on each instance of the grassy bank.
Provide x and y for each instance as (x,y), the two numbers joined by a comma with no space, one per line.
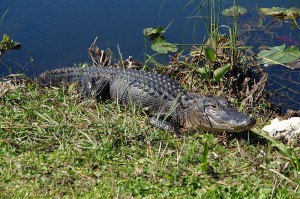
(54,144)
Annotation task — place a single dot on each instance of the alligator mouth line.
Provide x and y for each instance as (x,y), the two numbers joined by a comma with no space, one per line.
(221,126)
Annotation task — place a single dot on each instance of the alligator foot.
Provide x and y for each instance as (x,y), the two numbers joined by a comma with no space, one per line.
(165,125)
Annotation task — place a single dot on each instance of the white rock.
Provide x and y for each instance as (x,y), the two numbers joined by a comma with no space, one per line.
(288,129)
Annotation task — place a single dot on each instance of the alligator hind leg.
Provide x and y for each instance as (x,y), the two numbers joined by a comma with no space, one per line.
(92,88)
(86,84)
(101,90)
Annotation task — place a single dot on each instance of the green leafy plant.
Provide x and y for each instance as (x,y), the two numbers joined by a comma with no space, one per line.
(208,72)
(8,44)
(210,54)
(217,41)
(220,72)
(159,44)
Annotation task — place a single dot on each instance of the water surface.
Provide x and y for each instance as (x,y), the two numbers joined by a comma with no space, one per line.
(58,33)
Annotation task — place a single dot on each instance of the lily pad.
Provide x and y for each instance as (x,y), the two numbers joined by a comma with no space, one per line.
(279,55)
(159,44)
(294,64)
(162,46)
(230,12)
(279,12)
(151,31)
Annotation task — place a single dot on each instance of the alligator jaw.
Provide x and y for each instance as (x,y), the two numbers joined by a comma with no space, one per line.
(234,125)
(229,119)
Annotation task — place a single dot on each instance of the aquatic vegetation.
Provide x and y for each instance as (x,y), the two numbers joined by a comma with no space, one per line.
(280,12)
(7,43)
(280,55)
(159,44)
(233,10)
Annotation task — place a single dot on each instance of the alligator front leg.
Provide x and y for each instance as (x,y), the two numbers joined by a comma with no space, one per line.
(165,125)
(158,122)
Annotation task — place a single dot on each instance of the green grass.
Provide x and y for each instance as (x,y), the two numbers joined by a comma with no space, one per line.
(54,144)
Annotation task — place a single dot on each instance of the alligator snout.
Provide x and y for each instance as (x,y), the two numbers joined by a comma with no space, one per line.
(245,121)
(242,123)
(250,122)
(228,119)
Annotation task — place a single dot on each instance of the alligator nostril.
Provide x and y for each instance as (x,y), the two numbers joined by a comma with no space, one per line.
(251,121)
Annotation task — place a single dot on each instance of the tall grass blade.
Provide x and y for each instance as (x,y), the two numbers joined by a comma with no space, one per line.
(204,165)
(1,19)
(292,156)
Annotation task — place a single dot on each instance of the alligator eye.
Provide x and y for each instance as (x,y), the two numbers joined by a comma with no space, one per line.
(213,106)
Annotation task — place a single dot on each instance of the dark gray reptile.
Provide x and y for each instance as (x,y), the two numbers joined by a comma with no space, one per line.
(166,101)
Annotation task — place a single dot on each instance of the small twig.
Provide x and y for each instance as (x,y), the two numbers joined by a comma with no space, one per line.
(121,56)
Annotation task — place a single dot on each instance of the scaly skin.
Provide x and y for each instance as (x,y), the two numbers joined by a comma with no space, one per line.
(166,101)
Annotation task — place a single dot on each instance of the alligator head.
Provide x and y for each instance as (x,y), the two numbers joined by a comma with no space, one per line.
(216,114)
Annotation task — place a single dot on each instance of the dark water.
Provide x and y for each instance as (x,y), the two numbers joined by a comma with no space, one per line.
(58,33)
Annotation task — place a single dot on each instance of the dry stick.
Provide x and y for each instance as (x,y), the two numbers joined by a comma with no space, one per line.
(257,90)
(121,56)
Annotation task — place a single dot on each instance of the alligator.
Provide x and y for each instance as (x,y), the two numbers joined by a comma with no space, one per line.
(169,105)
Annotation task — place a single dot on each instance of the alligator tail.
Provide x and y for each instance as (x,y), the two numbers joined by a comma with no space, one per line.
(59,76)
